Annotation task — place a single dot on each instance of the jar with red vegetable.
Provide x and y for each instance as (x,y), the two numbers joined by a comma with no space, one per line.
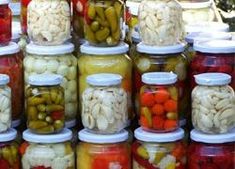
(98,151)
(211,151)
(11,64)
(159,102)
(159,150)
(9,157)
(23,15)
(213,56)
(45,104)
(163,59)
(5,22)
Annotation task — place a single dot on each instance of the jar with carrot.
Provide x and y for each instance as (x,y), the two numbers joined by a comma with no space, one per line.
(159,102)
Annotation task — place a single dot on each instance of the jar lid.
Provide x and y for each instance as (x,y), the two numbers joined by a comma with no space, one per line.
(45,79)
(4,79)
(142,48)
(207,27)
(86,136)
(64,135)
(215,46)
(211,79)
(133,7)
(199,136)
(142,135)
(159,78)
(196,5)
(205,36)
(50,50)
(15,8)
(11,48)
(104,79)
(8,135)
(3,2)
(94,50)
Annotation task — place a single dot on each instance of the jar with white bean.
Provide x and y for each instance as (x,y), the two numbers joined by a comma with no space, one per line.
(213,103)
(48,21)
(104,104)
(56,60)
(5,106)
(160,22)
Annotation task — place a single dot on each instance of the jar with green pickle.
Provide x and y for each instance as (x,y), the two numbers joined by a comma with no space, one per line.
(104,22)
(9,157)
(95,60)
(163,59)
(45,104)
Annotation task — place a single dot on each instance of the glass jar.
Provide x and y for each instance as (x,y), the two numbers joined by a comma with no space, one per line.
(52,151)
(23,15)
(203,36)
(104,104)
(5,22)
(16,32)
(48,24)
(159,151)
(159,102)
(163,59)
(160,22)
(78,17)
(213,108)
(11,65)
(97,151)
(5,106)
(104,21)
(211,151)
(15,9)
(45,103)
(194,12)
(213,56)
(9,157)
(95,60)
(59,60)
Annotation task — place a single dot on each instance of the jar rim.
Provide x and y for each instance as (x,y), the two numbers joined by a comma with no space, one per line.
(11,48)
(159,78)
(199,136)
(45,79)
(212,79)
(122,48)
(173,49)
(215,46)
(4,79)
(104,79)
(8,135)
(146,136)
(207,27)
(86,136)
(50,50)
(63,136)
(195,5)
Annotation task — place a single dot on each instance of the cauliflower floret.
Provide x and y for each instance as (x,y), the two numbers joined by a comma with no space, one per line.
(59,149)
(167,162)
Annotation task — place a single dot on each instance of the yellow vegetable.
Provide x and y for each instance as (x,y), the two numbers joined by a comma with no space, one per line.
(100,12)
(112,18)
(91,11)
(142,152)
(158,157)
(101,35)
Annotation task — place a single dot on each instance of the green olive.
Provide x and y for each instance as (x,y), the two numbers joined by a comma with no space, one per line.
(95,26)
(49,119)
(42,115)
(41,107)
(58,124)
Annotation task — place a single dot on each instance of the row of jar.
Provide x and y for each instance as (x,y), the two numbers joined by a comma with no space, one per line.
(149,151)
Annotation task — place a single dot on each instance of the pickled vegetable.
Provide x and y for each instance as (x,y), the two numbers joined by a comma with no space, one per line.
(5,22)
(45,109)
(109,16)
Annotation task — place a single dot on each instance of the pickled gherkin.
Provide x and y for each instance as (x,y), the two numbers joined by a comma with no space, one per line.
(104,22)
(45,104)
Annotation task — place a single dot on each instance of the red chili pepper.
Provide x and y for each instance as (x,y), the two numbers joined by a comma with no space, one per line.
(4,164)
(41,167)
(56,115)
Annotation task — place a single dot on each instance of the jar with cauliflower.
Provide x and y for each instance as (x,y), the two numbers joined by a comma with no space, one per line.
(11,65)
(104,104)
(159,102)
(160,22)
(159,151)
(163,59)
(45,104)
(56,60)
(9,156)
(52,151)
(95,60)
(48,21)
(96,151)
(213,103)
(5,106)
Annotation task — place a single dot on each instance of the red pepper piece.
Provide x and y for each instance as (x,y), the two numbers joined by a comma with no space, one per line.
(4,164)
(56,115)
(225,69)
(209,166)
